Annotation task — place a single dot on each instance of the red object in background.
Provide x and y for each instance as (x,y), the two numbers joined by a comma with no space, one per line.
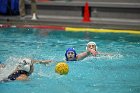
(86,17)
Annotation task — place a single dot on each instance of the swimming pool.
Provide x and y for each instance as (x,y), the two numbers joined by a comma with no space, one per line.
(119,73)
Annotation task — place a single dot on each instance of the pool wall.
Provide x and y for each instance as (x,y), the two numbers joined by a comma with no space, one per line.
(110,14)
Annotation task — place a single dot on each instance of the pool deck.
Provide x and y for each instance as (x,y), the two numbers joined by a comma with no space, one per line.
(75,21)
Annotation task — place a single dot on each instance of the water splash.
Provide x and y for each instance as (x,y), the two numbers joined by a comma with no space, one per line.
(11,64)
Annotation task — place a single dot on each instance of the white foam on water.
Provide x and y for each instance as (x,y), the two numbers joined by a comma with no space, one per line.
(11,64)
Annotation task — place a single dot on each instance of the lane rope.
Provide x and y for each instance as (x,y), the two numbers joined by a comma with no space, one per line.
(71,29)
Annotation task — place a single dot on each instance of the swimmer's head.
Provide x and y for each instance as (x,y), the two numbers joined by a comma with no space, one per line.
(91,45)
(25,64)
(70,54)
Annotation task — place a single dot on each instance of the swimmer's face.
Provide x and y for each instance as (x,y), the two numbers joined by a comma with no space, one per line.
(91,46)
(70,55)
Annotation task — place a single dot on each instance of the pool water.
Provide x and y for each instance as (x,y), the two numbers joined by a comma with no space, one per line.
(118,72)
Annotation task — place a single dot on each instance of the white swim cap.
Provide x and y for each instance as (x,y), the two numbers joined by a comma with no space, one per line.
(91,43)
(25,64)
(27,60)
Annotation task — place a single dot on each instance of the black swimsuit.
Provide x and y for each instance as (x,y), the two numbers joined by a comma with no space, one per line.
(17,74)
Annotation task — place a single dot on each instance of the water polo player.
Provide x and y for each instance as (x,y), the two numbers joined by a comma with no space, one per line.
(23,69)
(92,48)
(71,54)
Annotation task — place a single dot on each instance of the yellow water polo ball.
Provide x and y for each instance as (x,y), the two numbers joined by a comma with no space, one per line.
(62,68)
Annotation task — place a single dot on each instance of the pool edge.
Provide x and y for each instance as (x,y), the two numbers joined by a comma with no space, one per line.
(72,29)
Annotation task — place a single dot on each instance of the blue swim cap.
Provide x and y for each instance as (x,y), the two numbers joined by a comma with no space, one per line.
(70,49)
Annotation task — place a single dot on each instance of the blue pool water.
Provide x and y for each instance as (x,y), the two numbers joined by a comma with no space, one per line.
(118,73)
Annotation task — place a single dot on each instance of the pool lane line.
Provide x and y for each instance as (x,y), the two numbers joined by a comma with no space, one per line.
(72,29)
(33,26)
(101,30)
(42,27)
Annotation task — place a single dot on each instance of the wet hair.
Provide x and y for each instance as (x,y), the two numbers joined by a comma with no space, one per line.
(70,49)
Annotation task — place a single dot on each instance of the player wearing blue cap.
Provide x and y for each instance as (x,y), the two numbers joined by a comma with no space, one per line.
(71,55)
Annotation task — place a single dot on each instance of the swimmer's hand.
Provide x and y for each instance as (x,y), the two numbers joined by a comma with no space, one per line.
(93,52)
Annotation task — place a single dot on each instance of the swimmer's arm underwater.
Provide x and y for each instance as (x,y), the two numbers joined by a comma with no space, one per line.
(42,61)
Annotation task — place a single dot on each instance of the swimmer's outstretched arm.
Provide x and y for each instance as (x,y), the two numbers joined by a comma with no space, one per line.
(85,54)
(42,61)
(82,55)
